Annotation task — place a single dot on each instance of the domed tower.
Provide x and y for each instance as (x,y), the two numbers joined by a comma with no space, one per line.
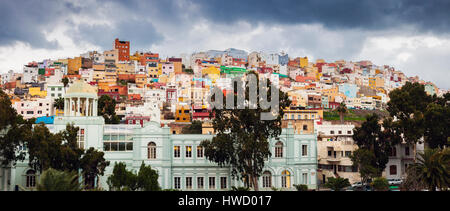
(80,100)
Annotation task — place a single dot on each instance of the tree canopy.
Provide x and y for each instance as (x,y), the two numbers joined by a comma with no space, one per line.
(242,139)
(107,109)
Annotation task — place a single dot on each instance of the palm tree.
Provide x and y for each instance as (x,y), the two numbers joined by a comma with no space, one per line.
(337,184)
(65,81)
(342,110)
(433,168)
(59,103)
(54,180)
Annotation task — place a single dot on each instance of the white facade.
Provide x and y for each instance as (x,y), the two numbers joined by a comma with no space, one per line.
(30,74)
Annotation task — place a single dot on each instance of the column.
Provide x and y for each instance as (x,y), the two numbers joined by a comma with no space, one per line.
(95,108)
(65,106)
(77,113)
(86,107)
(71,107)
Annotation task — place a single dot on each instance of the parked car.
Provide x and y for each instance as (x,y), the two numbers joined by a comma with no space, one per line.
(357,184)
(395,181)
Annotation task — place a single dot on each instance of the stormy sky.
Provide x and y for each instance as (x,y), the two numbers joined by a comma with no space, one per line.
(411,35)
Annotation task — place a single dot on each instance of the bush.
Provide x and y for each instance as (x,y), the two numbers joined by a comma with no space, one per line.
(380,184)
(54,180)
(301,187)
(239,188)
(337,184)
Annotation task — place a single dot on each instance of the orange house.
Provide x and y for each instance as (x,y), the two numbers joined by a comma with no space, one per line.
(149,57)
(134,97)
(124,49)
(141,80)
(127,77)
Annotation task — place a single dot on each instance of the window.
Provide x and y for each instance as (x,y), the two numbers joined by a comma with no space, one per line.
(305,178)
(188,182)
(212,183)
(329,153)
(407,151)
(332,132)
(304,150)
(393,152)
(267,179)
(177,183)
(340,132)
(80,140)
(348,153)
(279,149)
(349,132)
(176,151)
(286,179)
(31,179)
(393,170)
(188,151)
(199,151)
(151,150)
(200,182)
(305,127)
(223,183)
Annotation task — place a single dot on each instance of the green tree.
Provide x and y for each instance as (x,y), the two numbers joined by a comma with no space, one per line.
(412,181)
(437,121)
(59,103)
(65,81)
(13,131)
(93,164)
(433,168)
(337,184)
(364,160)
(370,137)
(407,105)
(122,179)
(342,110)
(242,139)
(148,179)
(58,151)
(380,184)
(301,187)
(240,189)
(54,180)
(194,128)
(107,109)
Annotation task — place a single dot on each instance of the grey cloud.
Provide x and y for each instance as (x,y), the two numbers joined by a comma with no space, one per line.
(142,34)
(430,15)
(25,21)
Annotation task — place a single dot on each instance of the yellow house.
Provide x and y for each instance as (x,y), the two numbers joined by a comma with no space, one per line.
(154,72)
(320,61)
(212,72)
(125,68)
(98,75)
(298,99)
(141,80)
(73,65)
(36,91)
(376,82)
(182,114)
(303,62)
(331,93)
(59,112)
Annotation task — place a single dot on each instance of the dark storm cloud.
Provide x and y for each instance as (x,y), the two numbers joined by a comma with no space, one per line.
(141,33)
(430,15)
(26,20)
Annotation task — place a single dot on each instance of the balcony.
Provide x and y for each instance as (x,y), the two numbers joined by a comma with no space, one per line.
(333,159)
